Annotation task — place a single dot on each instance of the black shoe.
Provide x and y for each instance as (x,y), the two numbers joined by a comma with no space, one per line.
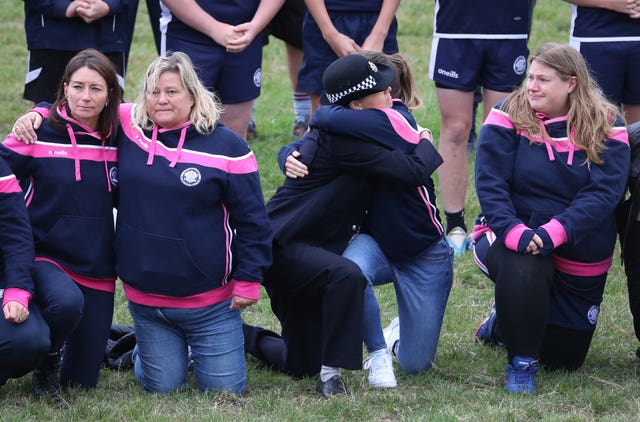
(46,378)
(331,387)
(252,130)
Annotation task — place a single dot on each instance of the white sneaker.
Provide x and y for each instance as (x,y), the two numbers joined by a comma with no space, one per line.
(457,239)
(392,335)
(380,368)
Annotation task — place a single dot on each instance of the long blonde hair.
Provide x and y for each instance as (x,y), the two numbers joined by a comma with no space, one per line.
(206,109)
(590,116)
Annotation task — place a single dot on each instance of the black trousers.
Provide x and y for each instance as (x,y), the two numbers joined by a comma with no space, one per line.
(631,256)
(318,297)
(523,283)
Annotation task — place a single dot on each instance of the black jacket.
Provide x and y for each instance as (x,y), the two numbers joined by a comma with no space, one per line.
(628,211)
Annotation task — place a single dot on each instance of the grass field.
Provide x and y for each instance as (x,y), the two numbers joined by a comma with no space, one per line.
(467,380)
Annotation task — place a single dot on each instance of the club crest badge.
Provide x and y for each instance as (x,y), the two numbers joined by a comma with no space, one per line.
(190,176)
(520,65)
(113,175)
(592,314)
(257,77)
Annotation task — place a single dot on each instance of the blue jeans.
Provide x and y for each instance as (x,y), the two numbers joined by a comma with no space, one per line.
(214,333)
(422,286)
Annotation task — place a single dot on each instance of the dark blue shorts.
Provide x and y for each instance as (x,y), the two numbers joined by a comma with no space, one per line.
(287,23)
(318,55)
(234,77)
(574,302)
(463,64)
(616,66)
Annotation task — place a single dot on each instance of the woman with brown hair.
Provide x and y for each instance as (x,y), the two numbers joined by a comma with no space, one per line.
(551,166)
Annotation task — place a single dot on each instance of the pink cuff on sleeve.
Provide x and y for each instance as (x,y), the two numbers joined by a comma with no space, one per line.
(512,238)
(43,111)
(246,289)
(556,231)
(13,294)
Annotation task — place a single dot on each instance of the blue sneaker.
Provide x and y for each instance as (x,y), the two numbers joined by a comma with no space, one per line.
(484,332)
(520,374)
(457,239)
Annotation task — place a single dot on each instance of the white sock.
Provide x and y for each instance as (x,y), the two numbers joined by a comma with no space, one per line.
(328,372)
(301,106)
(379,352)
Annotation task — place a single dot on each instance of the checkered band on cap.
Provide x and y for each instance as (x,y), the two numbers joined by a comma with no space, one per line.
(368,83)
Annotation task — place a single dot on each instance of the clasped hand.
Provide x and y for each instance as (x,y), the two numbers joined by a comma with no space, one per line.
(87,10)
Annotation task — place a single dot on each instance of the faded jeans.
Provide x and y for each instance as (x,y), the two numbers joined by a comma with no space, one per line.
(422,286)
(214,334)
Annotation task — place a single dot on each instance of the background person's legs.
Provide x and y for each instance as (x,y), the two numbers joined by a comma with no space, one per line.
(455,123)
(236,117)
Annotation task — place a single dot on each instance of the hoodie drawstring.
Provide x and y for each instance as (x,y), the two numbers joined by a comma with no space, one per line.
(76,157)
(571,146)
(106,166)
(152,147)
(154,141)
(183,134)
(546,139)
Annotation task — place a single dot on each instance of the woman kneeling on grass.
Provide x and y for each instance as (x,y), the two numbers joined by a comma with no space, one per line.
(316,293)
(70,182)
(192,234)
(551,166)
(24,334)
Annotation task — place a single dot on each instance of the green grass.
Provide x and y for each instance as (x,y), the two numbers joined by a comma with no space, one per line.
(466,382)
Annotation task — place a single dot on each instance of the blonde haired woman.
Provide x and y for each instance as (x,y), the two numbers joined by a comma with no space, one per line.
(192,236)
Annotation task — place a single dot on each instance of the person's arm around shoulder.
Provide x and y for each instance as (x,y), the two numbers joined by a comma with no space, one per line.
(385,126)
(379,32)
(339,43)
(386,165)
(25,127)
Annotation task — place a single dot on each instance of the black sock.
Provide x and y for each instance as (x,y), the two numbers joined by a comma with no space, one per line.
(455,219)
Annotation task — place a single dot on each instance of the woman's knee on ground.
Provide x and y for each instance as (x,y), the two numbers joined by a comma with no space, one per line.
(564,349)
